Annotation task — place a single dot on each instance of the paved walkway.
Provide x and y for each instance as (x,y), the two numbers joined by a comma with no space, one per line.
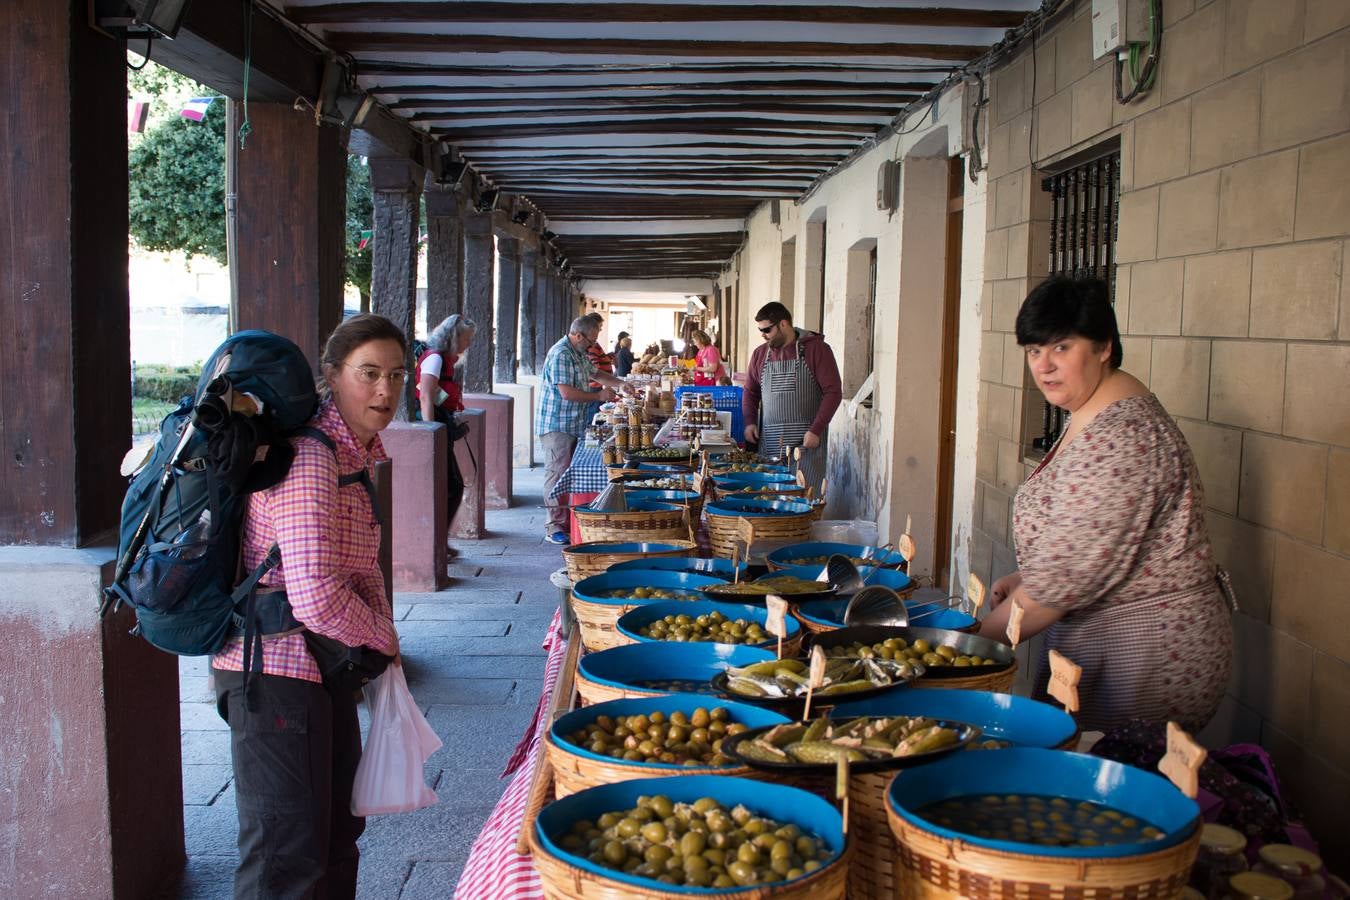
(474,664)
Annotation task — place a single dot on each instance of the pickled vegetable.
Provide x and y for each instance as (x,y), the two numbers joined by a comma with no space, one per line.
(788,677)
(1036,819)
(713,626)
(679,738)
(920,651)
(649,593)
(699,844)
(824,740)
(787,585)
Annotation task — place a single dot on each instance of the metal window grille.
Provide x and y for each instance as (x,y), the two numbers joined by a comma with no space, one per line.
(1085,204)
(871,316)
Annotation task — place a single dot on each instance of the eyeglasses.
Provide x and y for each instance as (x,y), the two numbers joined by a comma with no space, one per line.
(370,375)
(767,328)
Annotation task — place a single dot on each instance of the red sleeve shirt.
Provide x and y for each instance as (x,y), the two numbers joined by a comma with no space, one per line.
(330,543)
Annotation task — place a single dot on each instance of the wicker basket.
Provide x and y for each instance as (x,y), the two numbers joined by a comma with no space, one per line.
(599,624)
(938,868)
(582,564)
(999,682)
(667,523)
(723,532)
(876,870)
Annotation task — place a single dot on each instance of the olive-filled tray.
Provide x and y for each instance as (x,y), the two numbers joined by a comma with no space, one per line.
(963,644)
(737,747)
(756,591)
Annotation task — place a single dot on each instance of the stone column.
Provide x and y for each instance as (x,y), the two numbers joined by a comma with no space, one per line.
(508,308)
(479,270)
(397,188)
(291,204)
(445,253)
(92,802)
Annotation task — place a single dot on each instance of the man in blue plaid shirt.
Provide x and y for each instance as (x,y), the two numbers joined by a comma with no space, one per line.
(565,409)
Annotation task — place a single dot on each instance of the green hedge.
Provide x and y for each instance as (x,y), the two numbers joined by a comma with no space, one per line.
(166,383)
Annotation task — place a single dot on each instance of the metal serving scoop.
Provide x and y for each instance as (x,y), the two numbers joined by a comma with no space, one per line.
(876,605)
(840,571)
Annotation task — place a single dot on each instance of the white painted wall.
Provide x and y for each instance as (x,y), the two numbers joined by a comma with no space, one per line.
(883,461)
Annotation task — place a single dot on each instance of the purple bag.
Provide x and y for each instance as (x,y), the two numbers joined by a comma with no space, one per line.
(1238,785)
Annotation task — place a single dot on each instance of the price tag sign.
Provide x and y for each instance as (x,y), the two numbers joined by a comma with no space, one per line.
(1015,623)
(1182,761)
(815,678)
(777,621)
(907,549)
(1064,677)
(801,479)
(975,590)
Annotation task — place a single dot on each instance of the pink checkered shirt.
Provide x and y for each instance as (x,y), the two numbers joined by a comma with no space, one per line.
(330,544)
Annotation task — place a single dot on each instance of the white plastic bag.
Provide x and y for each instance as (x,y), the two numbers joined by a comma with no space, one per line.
(389,777)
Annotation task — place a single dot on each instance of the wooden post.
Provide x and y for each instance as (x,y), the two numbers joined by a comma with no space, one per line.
(397,188)
(445,253)
(506,330)
(290,227)
(479,284)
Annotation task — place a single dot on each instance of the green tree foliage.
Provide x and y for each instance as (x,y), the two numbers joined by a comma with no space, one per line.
(177,169)
(360,218)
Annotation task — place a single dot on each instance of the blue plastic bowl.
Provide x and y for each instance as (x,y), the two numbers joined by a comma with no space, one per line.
(789,555)
(631,622)
(764,469)
(733,480)
(677,498)
(830,613)
(589,589)
(631,666)
(636,506)
(1005,717)
(752,716)
(623,547)
(735,506)
(786,805)
(716,567)
(1049,773)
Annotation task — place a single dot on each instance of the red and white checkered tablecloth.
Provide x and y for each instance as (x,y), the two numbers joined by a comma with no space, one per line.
(494,871)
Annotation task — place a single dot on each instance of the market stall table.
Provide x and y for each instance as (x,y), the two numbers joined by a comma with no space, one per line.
(584,479)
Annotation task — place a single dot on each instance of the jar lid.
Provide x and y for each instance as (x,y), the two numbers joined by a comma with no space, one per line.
(1255,886)
(1222,839)
(1290,860)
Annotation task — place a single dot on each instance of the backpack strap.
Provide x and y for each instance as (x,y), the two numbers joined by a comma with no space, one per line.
(361,476)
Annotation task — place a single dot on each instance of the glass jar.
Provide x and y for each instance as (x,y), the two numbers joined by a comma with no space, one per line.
(621,437)
(1255,886)
(1220,857)
(1300,868)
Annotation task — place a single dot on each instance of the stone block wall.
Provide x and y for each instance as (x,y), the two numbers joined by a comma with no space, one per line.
(1233,298)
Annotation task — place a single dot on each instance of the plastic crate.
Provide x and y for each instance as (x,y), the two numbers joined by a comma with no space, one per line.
(726,398)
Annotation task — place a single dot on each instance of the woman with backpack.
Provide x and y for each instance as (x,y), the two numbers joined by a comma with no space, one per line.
(294,740)
(439,394)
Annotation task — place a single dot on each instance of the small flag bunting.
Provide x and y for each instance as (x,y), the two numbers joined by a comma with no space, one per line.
(195,109)
(365,239)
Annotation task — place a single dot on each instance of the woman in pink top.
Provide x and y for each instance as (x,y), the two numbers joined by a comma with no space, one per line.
(294,741)
(708,366)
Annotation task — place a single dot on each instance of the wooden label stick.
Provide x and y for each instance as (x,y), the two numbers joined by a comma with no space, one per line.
(1064,677)
(909,524)
(975,590)
(1015,623)
(776,623)
(736,562)
(841,786)
(1182,761)
(816,678)
(907,549)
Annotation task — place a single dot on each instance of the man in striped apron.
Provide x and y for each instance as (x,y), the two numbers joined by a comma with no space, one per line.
(792,390)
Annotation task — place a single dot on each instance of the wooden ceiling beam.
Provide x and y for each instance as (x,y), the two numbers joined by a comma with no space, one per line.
(404,42)
(710,125)
(867,92)
(590,70)
(544,108)
(512,13)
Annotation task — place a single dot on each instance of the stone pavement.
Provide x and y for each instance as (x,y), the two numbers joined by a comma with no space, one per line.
(473,660)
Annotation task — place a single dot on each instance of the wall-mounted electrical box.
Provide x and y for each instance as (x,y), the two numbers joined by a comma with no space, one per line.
(888,185)
(1117,24)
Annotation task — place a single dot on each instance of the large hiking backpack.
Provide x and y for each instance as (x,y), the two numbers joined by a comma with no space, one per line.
(178,554)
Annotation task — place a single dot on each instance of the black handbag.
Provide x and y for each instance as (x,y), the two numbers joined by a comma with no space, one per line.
(345,668)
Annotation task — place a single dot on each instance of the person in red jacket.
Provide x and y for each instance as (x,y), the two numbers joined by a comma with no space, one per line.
(439,394)
(792,389)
